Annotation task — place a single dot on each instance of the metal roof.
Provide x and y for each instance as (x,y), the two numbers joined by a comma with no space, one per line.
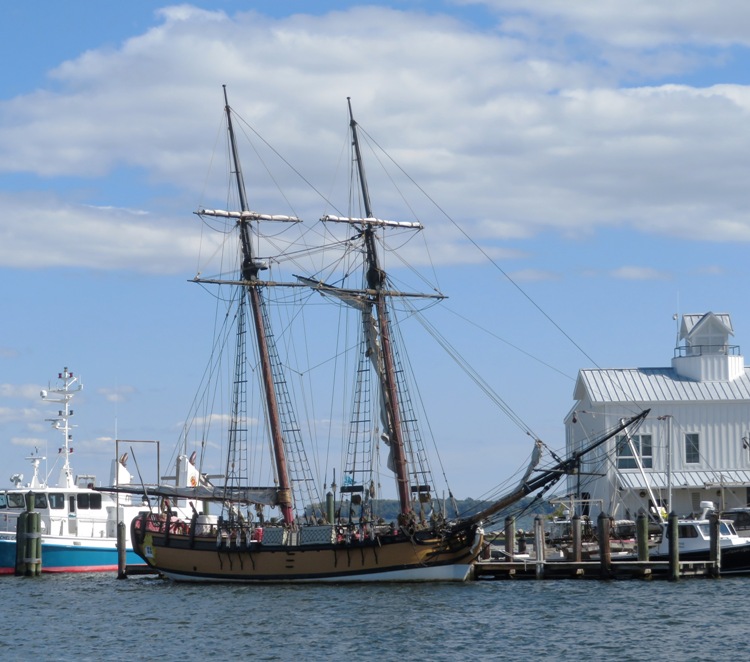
(697,479)
(656,385)
(691,321)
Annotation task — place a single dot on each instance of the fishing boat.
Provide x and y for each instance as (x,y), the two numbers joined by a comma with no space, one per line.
(78,525)
(78,522)
(694,541)
(283,529)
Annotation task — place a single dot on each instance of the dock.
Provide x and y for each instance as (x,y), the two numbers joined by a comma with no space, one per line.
(554,569)
(630,559)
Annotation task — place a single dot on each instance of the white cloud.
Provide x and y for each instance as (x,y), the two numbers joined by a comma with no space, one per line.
(18,414)
(512,140)
(117,394)
(638,273)
(637,24)
(220,420)
(533,275)
(28,442)
(24,391)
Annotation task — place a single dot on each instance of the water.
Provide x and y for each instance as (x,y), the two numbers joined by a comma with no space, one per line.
(97,617)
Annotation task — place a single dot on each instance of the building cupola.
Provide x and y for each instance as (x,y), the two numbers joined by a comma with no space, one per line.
(705,354)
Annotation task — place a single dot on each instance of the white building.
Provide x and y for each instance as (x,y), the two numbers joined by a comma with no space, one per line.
(694,444)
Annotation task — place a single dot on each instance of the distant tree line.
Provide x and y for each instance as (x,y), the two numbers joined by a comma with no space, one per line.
(388,510)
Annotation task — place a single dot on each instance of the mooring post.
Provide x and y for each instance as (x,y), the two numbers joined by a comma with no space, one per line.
(21,526)
(121,554)
(31,541)
(715,541)
(674,546)
(577,539)
(539,545)
(641,535)
(35,519)
(510,537)
(521,541)
(605,552)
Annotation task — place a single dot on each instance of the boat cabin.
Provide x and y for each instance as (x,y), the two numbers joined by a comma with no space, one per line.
(64,512)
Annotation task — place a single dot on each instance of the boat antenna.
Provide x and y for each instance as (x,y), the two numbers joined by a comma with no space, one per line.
(63,394)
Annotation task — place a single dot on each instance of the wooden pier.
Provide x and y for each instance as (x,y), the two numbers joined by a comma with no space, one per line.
(554,569)
(575,564)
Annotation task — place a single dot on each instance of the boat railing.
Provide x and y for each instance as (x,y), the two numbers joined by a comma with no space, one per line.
(229,534)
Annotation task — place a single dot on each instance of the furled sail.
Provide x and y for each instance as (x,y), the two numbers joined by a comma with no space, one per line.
(266,496)
(536,455)
(360,302)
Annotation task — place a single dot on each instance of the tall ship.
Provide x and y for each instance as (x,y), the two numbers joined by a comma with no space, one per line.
(268,520)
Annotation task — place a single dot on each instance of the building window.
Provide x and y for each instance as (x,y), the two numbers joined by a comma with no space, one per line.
(643,447)
(692,448)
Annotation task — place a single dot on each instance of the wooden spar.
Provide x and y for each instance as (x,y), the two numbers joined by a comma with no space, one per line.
(250,275)
(360,163)
(550,476)
(376,282)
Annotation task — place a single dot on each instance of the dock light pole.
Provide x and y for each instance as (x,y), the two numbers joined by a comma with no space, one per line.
(668,419)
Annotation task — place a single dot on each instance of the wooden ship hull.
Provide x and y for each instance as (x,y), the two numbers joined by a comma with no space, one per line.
(311,554)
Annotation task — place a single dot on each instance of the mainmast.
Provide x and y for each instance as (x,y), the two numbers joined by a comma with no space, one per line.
(250,268)
(376,281)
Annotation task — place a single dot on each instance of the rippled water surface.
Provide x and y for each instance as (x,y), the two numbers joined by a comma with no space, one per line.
(98,617)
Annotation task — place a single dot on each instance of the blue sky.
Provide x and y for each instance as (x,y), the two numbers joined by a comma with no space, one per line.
(598,152)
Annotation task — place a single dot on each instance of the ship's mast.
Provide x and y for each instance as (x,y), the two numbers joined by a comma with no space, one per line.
(250,270)
(63,395)
(376,281)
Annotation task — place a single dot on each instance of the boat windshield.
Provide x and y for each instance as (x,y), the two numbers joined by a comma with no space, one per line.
(16,500)
(726,528)
(703,529)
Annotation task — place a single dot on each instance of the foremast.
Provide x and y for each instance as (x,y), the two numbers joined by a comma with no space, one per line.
(250,269)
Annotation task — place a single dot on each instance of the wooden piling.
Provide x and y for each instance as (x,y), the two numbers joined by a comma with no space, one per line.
(29,540)
(674,547)
(715,545)
(510,538)
(539,545)
(21,543)
(641,535)
(605,551)
(122,572)
(577,539)
(35,535)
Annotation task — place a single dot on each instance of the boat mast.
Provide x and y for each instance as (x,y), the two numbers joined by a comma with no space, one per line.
(250,270)
(63,395)
(376,280)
